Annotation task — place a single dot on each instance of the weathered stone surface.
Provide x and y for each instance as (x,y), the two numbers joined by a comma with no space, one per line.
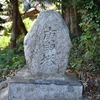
(47,45)
(21,88)
(4,94)
(43,92)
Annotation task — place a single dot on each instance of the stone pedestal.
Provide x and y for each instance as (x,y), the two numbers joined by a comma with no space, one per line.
(24,87)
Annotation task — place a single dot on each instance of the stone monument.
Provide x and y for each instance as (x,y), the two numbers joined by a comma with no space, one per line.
(47,47)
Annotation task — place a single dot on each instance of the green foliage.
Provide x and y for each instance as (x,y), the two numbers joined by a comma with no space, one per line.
(4,41)
(5,37)
(11,60)
(61,5)
(7,29)
(87,48)
(28,23)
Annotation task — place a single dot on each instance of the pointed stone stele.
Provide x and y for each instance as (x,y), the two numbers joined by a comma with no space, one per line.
(46,46)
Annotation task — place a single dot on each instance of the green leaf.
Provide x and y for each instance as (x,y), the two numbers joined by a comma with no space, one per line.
(94,38)
(98,29)
(88,54)
(82,37)
(99,33)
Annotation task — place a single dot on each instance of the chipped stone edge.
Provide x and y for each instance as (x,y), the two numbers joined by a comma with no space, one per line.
(4,83)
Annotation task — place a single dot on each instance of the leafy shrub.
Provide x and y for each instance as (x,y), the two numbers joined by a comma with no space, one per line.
(86,47)
(10,60)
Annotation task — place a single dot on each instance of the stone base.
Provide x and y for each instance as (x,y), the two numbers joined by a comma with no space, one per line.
(21,88)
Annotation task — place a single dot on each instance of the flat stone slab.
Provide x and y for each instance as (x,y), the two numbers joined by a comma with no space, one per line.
(23,87)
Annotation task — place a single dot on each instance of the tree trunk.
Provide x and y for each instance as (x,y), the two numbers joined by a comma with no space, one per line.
(63,6)
(17,24)
(14,25)
(71,20)
(71,17)
(21,24)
